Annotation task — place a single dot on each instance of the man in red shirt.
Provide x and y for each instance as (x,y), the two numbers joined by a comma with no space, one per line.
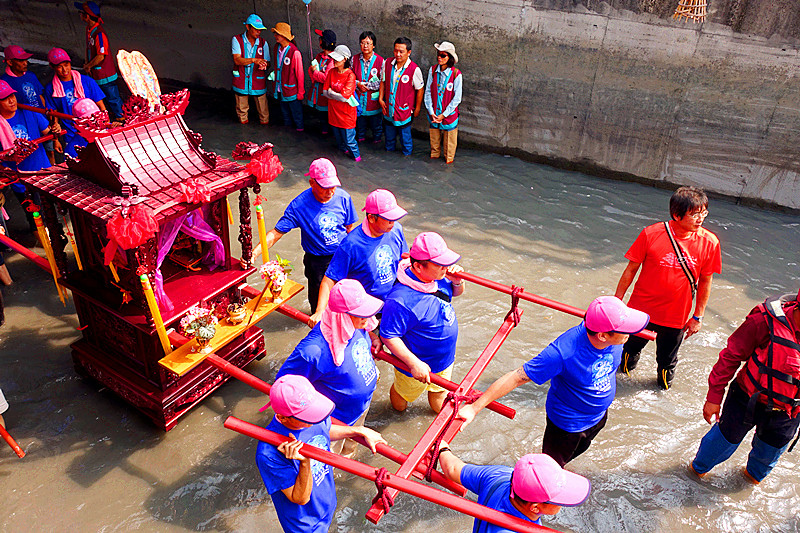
(678,259)
(99,59)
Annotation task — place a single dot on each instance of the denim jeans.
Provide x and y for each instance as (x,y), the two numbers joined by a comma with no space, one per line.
(392,132)
(292,111)
(346,140)
(112,99)
(375,123)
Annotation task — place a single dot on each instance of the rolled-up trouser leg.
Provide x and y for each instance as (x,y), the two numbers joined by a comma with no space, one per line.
(714,449)
(763,458)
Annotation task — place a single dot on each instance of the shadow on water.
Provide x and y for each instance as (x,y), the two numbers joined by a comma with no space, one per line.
(95,463)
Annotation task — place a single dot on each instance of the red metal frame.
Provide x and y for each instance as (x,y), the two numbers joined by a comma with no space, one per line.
(394,482)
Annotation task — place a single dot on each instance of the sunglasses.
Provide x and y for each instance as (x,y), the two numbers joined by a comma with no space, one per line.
(443,55)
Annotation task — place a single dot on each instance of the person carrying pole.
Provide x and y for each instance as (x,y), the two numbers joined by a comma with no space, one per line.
(580,366)
(302,490)
(537,486)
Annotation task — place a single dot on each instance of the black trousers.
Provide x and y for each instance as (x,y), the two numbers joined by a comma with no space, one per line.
(774,427)
(564,446)
(315,267)
(668,341)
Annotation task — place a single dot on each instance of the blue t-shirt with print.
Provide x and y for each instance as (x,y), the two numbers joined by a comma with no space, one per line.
(322,226)
(492,484)
(369,260)
(64,104)
(29,125)
(426,323)
(582,380)
(28,88)
(280,473)
(350,385)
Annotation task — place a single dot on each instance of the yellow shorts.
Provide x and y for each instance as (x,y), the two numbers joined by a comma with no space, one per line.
(410,389)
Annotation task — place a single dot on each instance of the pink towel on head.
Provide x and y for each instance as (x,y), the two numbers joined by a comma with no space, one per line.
(338,329)
(58,88)
(427,287)
(8,71)
(7,136)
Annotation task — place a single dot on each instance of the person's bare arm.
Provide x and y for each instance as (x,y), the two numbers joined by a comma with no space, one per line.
(324,293)
(498,389)
(420,370)
(703,293)
(300,492)
(627,277)
(451,465)
(371,436)
(418,106)
(273,236)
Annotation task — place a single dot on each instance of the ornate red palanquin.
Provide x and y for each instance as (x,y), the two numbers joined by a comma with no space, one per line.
(145,163)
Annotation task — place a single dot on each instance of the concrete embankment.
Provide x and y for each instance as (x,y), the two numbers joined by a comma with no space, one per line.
(616,88)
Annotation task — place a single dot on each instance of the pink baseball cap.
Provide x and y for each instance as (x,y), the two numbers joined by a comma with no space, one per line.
(16,52)
(538,478)
(383,203)
(56,56)
(348,296)
(324,173)
(5,90)
(608,314)
(84,107)
(295,396)
(430,246)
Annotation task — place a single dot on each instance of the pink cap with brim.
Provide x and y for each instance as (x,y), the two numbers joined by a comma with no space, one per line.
(16,52)
(430,246)
(5,90)
(84,107)
(538,478)
(348,296)
(608,314)
(383,203)
(56,56)
(295,396)
(324,173)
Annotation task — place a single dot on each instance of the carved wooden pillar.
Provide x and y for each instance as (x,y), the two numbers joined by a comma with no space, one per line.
(245,229)
(216,217)
(58,239)
(146,258)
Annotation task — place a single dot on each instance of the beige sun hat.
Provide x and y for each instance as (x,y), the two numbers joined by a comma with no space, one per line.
(283,30)
(447,46)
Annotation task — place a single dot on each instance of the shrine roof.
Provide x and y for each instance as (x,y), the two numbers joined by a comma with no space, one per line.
(155,156)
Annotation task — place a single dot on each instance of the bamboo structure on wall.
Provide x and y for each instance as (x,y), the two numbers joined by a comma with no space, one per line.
(694,10)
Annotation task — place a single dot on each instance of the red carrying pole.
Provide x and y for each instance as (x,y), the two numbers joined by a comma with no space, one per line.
(436,379)
(262,386)
(33,256)
(11,442)
(395,482)
(49,112)
(552,304)
(444,421)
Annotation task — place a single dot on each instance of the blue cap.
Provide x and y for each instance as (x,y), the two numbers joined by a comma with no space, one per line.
(255,21)
(90,8)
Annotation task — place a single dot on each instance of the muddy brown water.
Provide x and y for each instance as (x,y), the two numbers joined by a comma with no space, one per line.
(95,464)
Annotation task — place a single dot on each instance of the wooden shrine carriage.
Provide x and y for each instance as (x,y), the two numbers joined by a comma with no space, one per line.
(148,208)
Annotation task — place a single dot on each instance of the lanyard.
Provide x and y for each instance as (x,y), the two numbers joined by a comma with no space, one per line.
(395,81)
(279,68)
(365,76)
(439,90)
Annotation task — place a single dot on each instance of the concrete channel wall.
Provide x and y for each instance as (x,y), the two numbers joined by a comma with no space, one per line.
(616,88)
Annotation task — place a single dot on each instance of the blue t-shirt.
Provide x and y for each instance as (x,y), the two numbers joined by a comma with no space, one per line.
(492,484)
(426,324)
(322,226)
(29,125)
(582,380)
(28,88)
(350,385)
(370,260)
(280,473)
(64,104)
